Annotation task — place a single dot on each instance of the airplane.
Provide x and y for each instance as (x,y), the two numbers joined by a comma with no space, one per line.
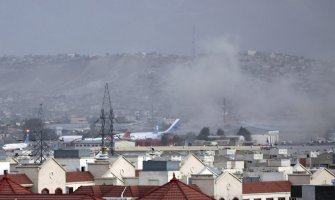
(147,135)
(17,146)
(70,138)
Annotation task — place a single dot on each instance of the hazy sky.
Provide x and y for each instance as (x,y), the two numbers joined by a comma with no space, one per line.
(298,27)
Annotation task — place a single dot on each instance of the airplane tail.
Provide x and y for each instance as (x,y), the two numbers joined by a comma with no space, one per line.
(27,139)
(156,128)
(173,126)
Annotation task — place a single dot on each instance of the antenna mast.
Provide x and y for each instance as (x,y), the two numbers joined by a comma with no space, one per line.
(40,149)
(107,117)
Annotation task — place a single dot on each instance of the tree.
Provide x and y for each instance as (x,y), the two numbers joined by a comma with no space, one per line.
(165,139)
(204,133)
(32,126)
(177,140)
(220,132)
(244,132)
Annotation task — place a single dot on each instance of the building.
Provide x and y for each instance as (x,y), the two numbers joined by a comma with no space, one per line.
(76,179)
(190,165)
(224,186)
(115,191)
(111,171)
(47,178)
(313,192)
(74,160)
(173,190)
(158,172)
(263,136)
(273,190)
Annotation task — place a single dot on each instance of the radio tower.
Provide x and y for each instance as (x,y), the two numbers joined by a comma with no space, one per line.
(107,117)
(40,149)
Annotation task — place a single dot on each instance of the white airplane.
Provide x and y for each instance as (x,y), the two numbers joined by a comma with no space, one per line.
(147,135)
(17,146)
(70,138)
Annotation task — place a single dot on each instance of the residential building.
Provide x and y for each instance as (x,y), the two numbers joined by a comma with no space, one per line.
(111,171)
(47,178)
(224,186)
(77,179)
(313,192)
(74,159)
(273,190)
(175,189)
(158,172)
(190,165)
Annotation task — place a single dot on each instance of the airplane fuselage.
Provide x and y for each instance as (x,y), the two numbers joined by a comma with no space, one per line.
(14,146)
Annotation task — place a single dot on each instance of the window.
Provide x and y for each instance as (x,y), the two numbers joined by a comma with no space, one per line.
(269,198)
(281,198)
(45,191)
(58,191)
(221,198)
(235,198)
(70,190)
(5,172)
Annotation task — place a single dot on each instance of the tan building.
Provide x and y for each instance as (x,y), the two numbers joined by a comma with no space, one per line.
(76,179)
(224,186)
(272,190)
(190,165)
(322,176)
(111,171)
(48,178)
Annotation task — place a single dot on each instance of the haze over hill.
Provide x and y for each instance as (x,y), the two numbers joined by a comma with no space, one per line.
(294,94)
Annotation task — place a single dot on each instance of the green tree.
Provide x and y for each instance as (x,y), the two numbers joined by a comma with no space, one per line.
(244,132)
(177,140)
(204,133)
(165,139)
(220,132)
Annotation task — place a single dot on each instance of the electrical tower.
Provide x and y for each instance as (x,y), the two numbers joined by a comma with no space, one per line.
(107,117)
(41,149)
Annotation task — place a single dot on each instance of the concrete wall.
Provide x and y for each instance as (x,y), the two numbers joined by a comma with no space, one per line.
(32,172)
(70,164)
(99,169)
(107,181)
(234,164)
(204,182)
(131,180)
(156,177)
(279,163)
(299,179)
